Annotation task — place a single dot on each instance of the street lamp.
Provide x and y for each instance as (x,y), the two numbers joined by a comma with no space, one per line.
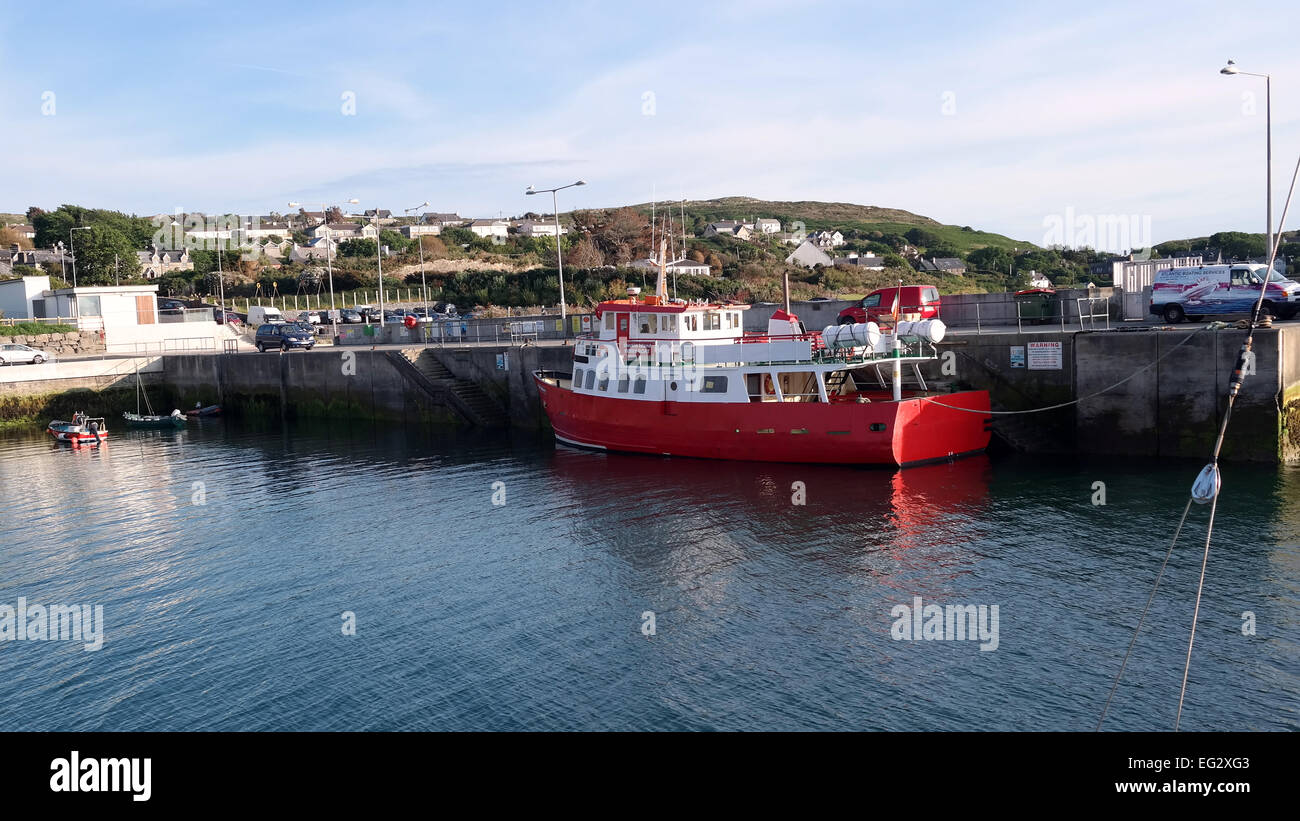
(73,249)
(1231,69)
(329,267)
(559,257)
(419,240)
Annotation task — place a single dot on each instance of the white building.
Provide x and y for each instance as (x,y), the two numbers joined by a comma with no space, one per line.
(345,230)
(686,267)
(767,226)
(863,262)
(539,228)
(16,296)
(413,231)
(490,228)
(689,267)
(826,239)
(808,255)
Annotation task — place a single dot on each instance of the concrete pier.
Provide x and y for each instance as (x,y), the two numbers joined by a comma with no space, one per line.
(1169,409)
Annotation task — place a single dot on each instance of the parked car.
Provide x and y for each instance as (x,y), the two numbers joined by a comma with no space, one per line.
(14,354)
(284,335)
(313,317)
(350,317)
(1210,290)
(914,302)
(231,318)
(171,305)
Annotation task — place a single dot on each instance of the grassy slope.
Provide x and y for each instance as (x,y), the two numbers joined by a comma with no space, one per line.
(839,215)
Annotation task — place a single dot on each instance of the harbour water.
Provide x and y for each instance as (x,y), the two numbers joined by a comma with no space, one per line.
(226,556)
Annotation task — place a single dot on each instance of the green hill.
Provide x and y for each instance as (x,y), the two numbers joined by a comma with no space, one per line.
(842,216)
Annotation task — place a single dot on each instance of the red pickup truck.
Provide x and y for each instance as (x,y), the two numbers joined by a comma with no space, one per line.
(915,302)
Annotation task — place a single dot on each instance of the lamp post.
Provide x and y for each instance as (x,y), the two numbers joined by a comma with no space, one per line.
(73,249)
(1231,69)
(419,240)
(329,267)
(559,256)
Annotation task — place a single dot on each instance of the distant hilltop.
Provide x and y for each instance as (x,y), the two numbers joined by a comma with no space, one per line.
(823,214)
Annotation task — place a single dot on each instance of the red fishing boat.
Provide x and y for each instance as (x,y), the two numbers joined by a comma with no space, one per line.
(678,378)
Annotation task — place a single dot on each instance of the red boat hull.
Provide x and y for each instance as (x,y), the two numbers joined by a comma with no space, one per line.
(907,432)
(77,437)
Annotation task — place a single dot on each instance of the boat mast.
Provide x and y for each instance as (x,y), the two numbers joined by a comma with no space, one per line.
(898,351)
(661,284)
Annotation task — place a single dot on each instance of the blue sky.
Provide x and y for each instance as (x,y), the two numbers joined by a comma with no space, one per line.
(996,117)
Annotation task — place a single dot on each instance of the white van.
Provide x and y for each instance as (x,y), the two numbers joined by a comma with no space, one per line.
(262,315)
(1208,290)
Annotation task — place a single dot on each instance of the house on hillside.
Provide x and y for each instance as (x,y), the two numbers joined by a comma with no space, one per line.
(942,265)
(767,226)
(427,230)
(729,228)
(320,250)
(344,230)
(864,262)
(24,231)
(158,261)
(809,255)
(539,228)
(444,220)
(826,239)
(490,228)
(685,267)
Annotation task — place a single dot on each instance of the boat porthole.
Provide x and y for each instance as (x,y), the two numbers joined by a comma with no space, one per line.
(878,426)
(672,386)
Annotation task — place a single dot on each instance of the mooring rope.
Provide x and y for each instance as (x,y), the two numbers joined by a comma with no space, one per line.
(1147,366)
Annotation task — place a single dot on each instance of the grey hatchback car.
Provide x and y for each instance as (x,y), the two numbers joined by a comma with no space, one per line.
(284,336)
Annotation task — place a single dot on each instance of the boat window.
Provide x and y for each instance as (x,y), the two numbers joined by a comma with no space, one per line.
(603,384)
(591,379)
(714,384)
(577,378)
(623,382)
(649,323)
(712,322)
(691,323)
(799,386)
(670,323)
(609,321)
(639,385)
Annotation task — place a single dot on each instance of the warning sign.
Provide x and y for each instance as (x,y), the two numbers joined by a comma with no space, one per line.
(1044,356)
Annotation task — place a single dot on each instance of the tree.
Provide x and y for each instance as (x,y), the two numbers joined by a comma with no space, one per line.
(9,237)
(103,256)
(1239,245)
(586,255)
(923,238)
(990,258)
(434,247)
(396,243)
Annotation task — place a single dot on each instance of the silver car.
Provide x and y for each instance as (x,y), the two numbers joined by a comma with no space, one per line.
(14,354)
